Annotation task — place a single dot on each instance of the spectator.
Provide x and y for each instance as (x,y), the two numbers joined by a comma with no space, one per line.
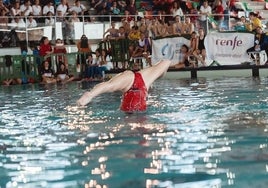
(255,21)
(177,26)
(115,11)
(91,67)
(45,48)
(200,52)
(17,22)
(63,74)
(183,58)
(49,8)
(84,48)
(49,20)
(31,22)
(261,41)
(162,29)
(176,9)
(3,9)
(47,73)
(15,9)
(60,51)
(26,8)
(63,20)
(63,7)
(78,7)
(70,27)
(131,8)
(37,10)
(3,17)
(187,26)
(243,25)
(112,31)
(205,11)
(105,64)
(193,42)
(219,14)
(122,5)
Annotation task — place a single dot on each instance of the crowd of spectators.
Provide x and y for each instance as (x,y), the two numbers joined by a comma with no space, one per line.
(159,18)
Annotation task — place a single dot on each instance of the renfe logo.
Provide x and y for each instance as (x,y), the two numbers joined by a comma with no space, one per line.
(230,42)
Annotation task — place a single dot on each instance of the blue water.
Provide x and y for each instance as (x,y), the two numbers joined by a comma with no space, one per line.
(196,133)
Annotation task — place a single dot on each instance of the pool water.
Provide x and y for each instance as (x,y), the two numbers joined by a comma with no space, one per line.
(195,133)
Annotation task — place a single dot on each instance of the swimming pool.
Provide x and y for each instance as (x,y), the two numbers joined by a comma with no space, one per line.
(196,133)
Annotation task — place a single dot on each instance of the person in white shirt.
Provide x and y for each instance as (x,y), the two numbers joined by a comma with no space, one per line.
(48,8)
(49,20)
(15,9)
(63,7)
(205,11)
(37,9)
(176,10)
(78,8)
(17,21)
(26,8)
(31,22)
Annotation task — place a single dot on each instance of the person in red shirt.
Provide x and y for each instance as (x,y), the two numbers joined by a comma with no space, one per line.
(45,48)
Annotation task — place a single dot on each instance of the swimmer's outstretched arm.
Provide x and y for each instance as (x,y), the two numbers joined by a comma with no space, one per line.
(121,82)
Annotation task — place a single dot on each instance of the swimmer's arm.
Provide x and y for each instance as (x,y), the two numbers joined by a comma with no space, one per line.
(121,82)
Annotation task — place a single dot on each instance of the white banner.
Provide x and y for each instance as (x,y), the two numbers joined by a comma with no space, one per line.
(228,48)
(168,48)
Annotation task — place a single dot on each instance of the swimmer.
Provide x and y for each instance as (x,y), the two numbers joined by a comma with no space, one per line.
(133,84)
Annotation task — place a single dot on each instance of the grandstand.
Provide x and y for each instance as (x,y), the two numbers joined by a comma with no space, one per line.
(98,26)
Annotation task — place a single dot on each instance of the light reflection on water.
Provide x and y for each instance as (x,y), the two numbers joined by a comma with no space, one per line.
(194,134)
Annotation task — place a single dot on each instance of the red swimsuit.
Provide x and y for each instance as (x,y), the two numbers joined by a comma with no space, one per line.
(135,98)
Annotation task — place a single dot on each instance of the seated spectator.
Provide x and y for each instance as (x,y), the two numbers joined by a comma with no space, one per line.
(243,25)
(26,8)
(3,9)
(112,31)
(15,9)
(105,64)
(122,5)
(60,49)
(47,73)
(49,7)
(143,46)
(177,26)
(255,21)
(187,26)
(37,10)
(162,29)
(114,8)
(143,49)
(183,58)
(193,42)
(18,22)
(63,7)
(31,22)
(45,48)
(78,7)
(63,75)
(176,9)
(92,67)
(261,42)
(50,20)
(131,8)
